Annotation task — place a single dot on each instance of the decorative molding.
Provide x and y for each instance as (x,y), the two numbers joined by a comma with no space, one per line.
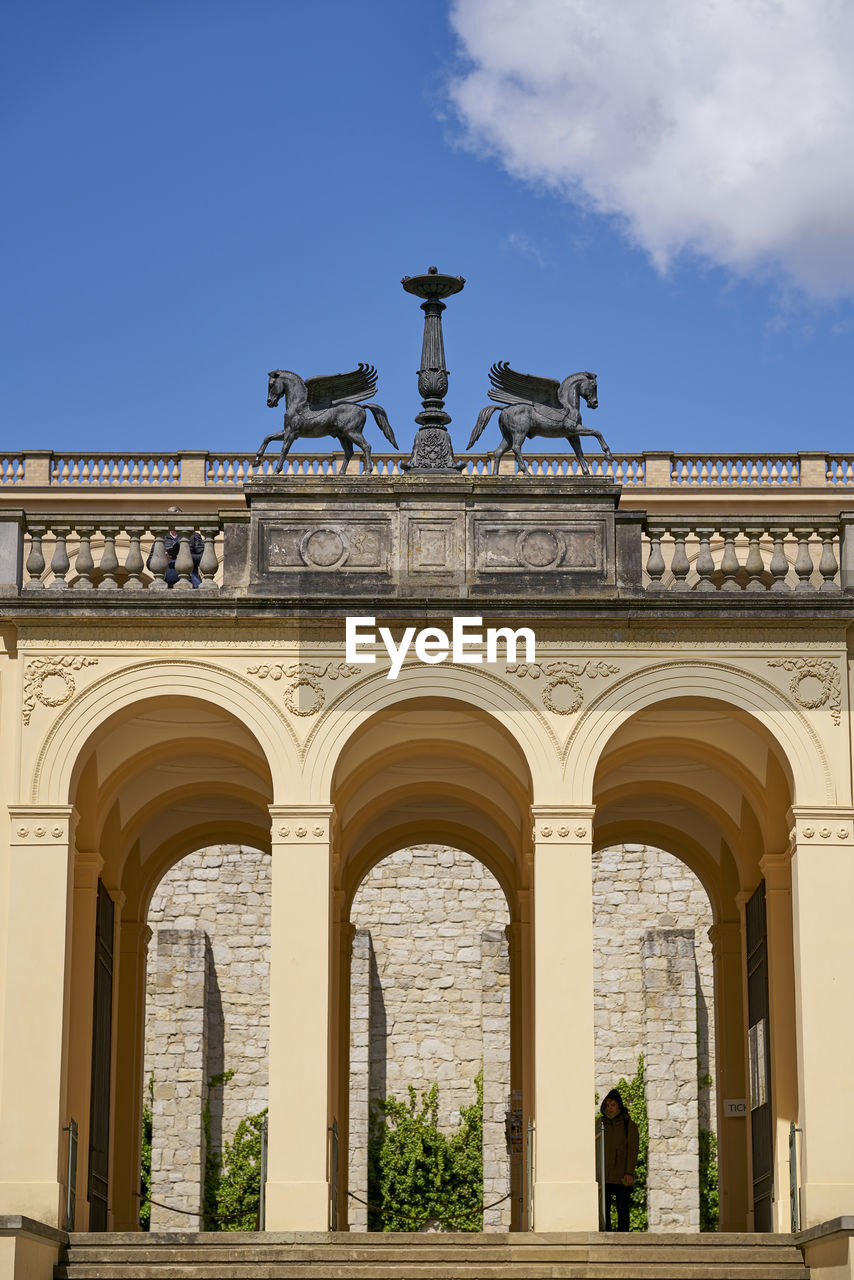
(303,675)
(823,826)
(39,825)
(825,672)
(564,674)
(40,670)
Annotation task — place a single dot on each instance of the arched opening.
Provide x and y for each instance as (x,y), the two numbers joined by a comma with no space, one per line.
(435,773)
(429,1006)
(159,779)
(707,782)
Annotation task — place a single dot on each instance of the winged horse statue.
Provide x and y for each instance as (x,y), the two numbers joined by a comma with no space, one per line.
(326,406)
(538,407)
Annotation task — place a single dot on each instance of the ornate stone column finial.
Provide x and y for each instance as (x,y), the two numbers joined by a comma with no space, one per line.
(432,450)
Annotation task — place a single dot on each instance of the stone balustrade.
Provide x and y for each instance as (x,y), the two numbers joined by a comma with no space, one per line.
(126,553)
(226,472)
(779,554)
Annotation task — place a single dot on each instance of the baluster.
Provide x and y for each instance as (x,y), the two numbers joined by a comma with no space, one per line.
(655,565)
(827,565)
(704,471)
(763,475)
(754,563)
(158,561)
(729,559)
(60,564)
(35,559)
(209,563)
(184,560)
(680,564)
(705,560)
(779,565)
(803,560)
(109,560)
(84,564)
(134,563)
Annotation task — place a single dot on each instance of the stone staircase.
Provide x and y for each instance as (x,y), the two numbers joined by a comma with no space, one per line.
(393,1256)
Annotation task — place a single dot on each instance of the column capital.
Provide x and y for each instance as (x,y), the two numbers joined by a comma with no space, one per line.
(134,937)
(39,824)
(822,824)
(777,870)
(87,869)
(725,937)
(562,824)
(301,823)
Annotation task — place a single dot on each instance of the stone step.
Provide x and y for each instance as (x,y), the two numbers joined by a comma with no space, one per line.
(394,1254)
(398,1256)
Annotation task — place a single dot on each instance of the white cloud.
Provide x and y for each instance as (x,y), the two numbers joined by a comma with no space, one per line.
(719,127)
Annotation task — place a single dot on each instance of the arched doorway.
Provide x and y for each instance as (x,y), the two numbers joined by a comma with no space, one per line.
(435,772)
(158,779)
(707,781)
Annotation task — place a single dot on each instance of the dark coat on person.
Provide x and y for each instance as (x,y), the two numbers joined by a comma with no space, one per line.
(621,1145)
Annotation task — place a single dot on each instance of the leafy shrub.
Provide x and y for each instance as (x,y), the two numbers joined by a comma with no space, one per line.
(239,1195)
(416,1173)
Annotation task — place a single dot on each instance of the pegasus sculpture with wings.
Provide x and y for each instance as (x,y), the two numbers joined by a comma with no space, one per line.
(538,407)
(325,407)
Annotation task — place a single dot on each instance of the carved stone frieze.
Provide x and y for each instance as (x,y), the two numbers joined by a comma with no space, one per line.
(816,682)
(563,694)
(50,682)
(304,695)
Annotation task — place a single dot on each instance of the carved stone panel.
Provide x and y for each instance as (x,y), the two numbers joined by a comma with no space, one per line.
(319,551)
(558,554)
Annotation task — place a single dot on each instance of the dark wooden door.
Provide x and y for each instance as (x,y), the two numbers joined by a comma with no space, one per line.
(102,1019)
(759,1060)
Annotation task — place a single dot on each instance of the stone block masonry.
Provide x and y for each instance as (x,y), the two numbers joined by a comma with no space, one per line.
(430,1001)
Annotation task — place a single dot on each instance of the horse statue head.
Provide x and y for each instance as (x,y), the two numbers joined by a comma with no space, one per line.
(281,382)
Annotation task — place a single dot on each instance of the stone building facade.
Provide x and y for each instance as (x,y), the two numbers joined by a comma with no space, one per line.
(430,1002)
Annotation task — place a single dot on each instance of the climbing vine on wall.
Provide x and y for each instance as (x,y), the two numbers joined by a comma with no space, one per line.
(416,1173)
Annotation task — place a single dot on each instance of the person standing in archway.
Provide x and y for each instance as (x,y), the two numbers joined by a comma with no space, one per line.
(621,1155)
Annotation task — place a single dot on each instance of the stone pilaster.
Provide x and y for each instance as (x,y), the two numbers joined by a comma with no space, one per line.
(670,1041)
(360,1035)
(178,1062)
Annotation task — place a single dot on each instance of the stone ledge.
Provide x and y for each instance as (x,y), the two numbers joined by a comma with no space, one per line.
(13,1224)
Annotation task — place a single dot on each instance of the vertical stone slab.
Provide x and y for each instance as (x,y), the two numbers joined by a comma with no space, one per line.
(360,1035)
(179,1067)
(495,1020)
(670,1041)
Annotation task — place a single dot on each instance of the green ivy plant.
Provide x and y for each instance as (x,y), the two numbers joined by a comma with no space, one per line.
(239,1197)
(145,1162)
(708,1181)
(417,1173)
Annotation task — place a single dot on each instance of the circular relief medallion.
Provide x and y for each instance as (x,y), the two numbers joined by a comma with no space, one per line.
(825,833)
(842,833)
(809,832)
(284,831)
(302,832)
(23,831)
(304,697)
(581,832)
(39,831)
(324,548)
(56,832)
(540,548)
(563,832)
(317,831)
(546,832)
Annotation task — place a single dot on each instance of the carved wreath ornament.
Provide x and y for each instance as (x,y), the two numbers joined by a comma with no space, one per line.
(563,695)
(50,682)
(304,695)
(815,683)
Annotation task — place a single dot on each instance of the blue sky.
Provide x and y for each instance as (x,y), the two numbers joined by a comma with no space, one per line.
(198,191)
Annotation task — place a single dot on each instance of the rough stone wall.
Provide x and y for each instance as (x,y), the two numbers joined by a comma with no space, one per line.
(430,994)
(219,900)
